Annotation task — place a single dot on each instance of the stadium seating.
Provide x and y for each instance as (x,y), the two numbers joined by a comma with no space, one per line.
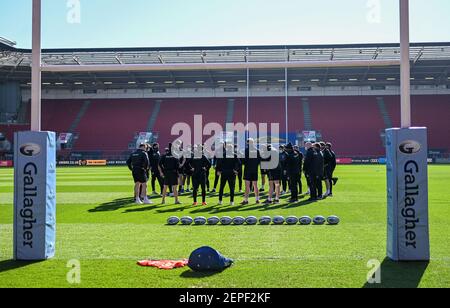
(432,112)
(58,115)
(240,110)
(9,129)
(270,110)
(183,110)
(267,110)
(295,114)
(352,123)
(110,125)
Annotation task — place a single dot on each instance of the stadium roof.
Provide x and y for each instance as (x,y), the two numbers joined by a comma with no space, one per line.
(431,65)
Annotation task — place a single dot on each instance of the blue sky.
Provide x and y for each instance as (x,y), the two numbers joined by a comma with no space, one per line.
(171,23)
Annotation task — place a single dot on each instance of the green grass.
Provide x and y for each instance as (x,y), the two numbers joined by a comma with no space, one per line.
(99,226)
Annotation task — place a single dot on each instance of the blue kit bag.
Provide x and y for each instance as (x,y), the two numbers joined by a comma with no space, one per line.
(207,259)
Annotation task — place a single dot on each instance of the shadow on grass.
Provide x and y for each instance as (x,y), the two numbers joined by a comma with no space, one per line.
(300,204)
(119,204)
(114,205)
(141,209)
(216,209)
(174,209)
(204,209)
(189,274)
(187,195)
(9,265)
(220,209)
(400,274)
(128,205)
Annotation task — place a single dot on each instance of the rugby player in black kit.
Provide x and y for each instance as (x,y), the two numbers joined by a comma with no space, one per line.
(218,153)
(187,173)
(210,157)
(240,174)
(228,168)
(314,170)
(284,174)
(302,157)
(309,170)
(139,163)
(330,166)
(169,167)
(199,165)
(252,161)
(154,163)
(275,176)
(294,161)
(319,167)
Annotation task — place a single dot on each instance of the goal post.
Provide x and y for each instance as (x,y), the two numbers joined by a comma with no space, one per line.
(407,170)
(35,172)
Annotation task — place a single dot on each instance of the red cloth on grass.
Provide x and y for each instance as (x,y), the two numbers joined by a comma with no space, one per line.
(164,264)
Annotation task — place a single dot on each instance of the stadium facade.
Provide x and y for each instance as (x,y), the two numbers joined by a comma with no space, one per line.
(104,112)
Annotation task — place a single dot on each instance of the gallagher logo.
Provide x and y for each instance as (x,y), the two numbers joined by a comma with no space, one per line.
(410,147)
(30,149)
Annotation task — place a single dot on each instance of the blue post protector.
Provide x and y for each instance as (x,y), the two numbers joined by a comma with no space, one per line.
(407,178)
(34,195)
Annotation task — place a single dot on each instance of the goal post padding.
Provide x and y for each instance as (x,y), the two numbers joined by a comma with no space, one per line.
(34,195)
(407,179)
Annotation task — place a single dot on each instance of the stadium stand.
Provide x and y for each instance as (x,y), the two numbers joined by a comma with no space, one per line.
(353,123)
(353,119)
(9,129)
(271,110)
(58,115)
(296,115)
(261,110)
(109,125)
(183,110)
(436,117)
(431,111)
(240,109)
(267,110)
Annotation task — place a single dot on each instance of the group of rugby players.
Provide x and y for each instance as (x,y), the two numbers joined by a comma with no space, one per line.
(178,168)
